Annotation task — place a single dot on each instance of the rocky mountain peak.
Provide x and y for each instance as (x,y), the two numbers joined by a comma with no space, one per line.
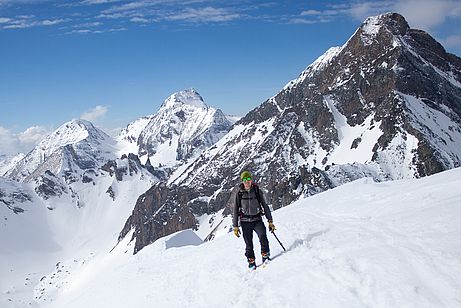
(392,22)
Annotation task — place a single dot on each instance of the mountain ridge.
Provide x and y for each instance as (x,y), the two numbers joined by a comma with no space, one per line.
(365,100)
(182,128)
(82,139)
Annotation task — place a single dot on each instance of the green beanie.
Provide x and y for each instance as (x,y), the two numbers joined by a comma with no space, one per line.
(245,174)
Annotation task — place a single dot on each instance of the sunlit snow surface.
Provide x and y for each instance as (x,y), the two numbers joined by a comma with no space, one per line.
(363,244)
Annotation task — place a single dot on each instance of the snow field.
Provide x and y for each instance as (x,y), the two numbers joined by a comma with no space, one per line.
(393,244)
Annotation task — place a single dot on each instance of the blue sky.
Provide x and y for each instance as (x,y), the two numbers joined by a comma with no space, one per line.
(113,61)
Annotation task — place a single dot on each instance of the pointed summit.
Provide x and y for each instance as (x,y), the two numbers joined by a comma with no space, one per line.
(188,97)
(393,22)
(183,127)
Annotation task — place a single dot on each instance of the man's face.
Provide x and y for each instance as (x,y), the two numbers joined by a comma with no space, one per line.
(247,183)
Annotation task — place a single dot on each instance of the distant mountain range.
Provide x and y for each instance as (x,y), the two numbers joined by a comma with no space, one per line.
(385,105)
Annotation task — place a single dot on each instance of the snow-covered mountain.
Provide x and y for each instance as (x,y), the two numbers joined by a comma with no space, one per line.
(66,164)
(182,128)
(386,105)
(75,161)
(78,160)
(77,144)
(73,192)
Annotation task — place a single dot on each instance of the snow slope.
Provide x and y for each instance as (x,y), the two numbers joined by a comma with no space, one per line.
(7,162)
(55,235)
(363,244)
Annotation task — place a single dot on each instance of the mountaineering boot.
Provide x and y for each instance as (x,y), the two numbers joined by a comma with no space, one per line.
(251,263)
(266,256)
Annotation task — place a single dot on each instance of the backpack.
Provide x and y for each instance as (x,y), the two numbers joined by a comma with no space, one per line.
(258,197)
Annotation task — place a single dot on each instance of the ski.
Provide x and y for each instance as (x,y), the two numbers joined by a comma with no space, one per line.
(265,263)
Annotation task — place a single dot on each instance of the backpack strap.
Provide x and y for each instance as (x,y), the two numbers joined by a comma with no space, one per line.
(258,197)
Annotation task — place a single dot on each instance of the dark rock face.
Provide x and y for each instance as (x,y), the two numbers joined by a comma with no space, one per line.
(132,166)
(111,193)
(48,185)
(387,79)
(156,214)
(14,198)
(89,176)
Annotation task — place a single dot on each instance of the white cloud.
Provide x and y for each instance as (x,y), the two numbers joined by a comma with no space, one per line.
(311,13)
(9,145)
(12,143)
(207,14)
(48,22)
(302,21)
(91,2)
(13,2)
(422,14)
(121,12)
(309,21)
(80,31)
(427,14)
(33,135)
(136,5)
(88,25)
(22,22)
(139,20)
(169,10)
(95,113)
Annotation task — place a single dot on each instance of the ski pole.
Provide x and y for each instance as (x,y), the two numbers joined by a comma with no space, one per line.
(278,240)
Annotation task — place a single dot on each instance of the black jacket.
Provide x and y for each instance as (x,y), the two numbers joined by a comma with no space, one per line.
(249,205)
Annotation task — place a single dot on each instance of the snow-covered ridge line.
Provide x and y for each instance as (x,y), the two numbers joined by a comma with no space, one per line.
(316,66)
(78,139)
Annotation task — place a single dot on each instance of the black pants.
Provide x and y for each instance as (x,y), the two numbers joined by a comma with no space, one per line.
(247,230)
